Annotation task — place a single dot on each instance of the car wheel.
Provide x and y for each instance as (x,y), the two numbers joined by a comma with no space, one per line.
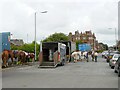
(115,71)
(109,65)
(112,67)
(107,61)
(62,63)
(119,73)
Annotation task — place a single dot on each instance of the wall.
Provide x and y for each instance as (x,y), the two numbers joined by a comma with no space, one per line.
(119,20)
(5,40)
(0,42)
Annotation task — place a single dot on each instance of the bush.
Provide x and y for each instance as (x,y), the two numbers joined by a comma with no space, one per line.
(27,47)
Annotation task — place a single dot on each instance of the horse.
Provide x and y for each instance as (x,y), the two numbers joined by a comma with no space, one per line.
(15,55)
(6,54)
(30,56)
(21,57)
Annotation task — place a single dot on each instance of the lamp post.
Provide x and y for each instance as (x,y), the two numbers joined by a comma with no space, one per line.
(35,30)
(115,37)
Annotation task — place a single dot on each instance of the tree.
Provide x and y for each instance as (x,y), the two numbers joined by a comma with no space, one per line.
(105,46)
(77,43)
(27,47)
(118,45)
(56,37)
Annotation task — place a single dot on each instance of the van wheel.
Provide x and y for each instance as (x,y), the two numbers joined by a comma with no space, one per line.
(62,63)
(112,67)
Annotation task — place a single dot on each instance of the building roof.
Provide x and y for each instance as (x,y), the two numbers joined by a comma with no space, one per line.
(17,42)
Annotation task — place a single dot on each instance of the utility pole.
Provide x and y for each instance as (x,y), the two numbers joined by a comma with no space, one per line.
(115,38)
(35,36)
(35,31)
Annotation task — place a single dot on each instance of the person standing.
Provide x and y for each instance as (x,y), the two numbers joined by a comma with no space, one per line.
(86,55)
(79,54)
(92,55)
(96,55)
(87,58)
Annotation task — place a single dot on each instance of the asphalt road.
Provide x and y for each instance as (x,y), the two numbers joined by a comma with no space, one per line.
(72,75)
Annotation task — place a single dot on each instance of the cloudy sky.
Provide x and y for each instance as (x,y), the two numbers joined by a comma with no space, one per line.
(18,17)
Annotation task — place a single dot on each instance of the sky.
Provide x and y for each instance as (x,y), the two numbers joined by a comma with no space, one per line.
(18,17)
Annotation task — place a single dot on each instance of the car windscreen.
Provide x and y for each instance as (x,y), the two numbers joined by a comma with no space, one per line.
(116,55)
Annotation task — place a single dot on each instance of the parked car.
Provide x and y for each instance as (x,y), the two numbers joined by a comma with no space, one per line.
(104,54)
(113,60)
(117,67)
(110,55)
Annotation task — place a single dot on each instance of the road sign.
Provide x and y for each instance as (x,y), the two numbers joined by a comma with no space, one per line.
(84,47)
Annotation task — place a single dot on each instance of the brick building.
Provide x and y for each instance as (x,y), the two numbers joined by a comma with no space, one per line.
(85,37)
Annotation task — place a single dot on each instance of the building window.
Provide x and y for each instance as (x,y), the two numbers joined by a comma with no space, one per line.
(72,39)
(90,38)
(84,38)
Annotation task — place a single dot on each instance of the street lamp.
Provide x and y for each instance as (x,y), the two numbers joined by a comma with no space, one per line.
(115,38)
(35,30)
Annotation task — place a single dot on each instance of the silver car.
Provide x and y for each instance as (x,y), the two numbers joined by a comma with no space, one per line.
(117,67)
(113,60)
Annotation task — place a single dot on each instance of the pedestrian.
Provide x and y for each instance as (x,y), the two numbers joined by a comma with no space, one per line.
(79,55)
(82,56)
(92,55)
(96,55)
(85,55)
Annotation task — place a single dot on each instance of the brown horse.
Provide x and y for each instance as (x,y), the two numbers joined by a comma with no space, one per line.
(21,57)
(6,54)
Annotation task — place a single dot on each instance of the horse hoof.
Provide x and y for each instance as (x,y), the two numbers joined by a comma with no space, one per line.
(4,66)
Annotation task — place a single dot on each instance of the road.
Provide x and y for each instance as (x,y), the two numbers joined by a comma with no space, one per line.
(72,75)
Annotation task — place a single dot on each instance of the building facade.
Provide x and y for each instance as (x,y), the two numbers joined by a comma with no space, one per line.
(17,42)
(85,37)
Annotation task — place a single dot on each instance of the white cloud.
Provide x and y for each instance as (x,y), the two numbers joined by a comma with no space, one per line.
(63,16)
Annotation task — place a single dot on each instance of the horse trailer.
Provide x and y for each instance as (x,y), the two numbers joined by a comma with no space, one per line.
(52,54)
(70,47)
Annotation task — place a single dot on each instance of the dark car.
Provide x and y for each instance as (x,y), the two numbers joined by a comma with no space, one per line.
(117,67)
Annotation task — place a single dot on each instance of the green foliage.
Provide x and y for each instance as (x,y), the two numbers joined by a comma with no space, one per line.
(27,47)
(100,51)
(56,37)
(105,46)
(78,42)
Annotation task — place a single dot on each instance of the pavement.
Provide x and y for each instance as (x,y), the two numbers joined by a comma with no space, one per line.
(72,75)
